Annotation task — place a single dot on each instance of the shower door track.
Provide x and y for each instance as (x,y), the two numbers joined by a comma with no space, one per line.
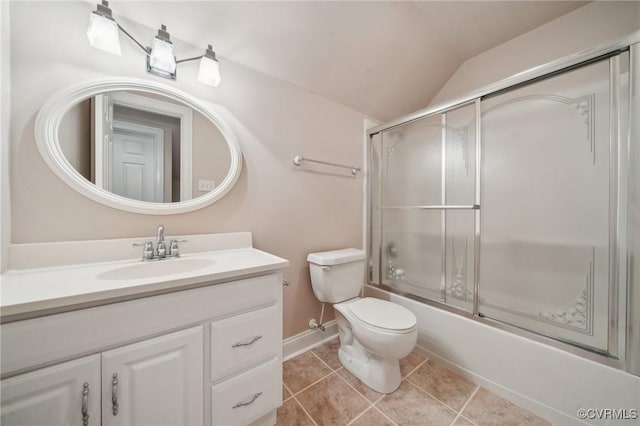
(628,359)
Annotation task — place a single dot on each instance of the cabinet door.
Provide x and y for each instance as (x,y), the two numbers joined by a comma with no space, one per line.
(54,396)
(155,382)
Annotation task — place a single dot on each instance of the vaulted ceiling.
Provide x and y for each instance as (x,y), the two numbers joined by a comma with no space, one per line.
(385,59)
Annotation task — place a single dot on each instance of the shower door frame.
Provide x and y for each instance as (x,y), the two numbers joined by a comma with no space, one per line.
(626,235)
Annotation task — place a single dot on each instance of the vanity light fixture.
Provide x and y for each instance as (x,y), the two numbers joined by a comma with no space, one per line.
(209,68)
(103,34)
(161,59)
(103,30)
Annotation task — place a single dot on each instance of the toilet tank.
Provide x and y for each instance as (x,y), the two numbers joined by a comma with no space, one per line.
(337,275)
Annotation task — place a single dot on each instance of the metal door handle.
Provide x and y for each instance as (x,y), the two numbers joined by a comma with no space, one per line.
(85,404)
(114,395)
(255,339)
(244,404)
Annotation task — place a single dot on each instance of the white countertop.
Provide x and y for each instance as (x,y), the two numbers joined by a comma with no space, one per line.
(52,289)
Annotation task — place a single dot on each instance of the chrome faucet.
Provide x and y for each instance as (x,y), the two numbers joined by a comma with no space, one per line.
(160,250)
(160,234)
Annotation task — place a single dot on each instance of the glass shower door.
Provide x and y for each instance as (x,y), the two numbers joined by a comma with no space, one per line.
(424,207)
(410,178)
(548,227)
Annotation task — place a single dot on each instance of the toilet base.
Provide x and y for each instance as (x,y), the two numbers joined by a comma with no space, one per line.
(380,374)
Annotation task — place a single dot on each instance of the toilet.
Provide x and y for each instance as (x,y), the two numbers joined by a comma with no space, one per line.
(374,333)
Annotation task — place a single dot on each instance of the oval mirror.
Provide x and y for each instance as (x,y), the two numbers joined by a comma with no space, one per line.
(138,146)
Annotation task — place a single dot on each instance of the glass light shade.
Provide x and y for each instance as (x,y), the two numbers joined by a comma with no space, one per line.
(209,72)
(161,58)
(103,34)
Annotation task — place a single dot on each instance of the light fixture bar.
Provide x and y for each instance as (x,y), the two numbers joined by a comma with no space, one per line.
(209,53)
(195,58)
(144,49)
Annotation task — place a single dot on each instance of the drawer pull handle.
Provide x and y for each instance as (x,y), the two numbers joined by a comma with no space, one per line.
(255,339)
(114,395)
(244,404)
(85,404)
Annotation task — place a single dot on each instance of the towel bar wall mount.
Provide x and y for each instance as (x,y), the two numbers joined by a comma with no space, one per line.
(299,159)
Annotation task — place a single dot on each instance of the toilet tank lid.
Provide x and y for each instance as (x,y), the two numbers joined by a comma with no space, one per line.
(336,257)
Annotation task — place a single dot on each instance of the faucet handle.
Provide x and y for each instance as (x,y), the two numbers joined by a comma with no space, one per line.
(148,249)
(161,249)
(174,250)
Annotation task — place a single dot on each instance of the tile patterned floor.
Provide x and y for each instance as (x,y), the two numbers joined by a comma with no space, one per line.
(319,391)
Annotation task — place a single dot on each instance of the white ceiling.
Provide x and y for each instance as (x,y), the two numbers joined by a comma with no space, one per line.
(385,59)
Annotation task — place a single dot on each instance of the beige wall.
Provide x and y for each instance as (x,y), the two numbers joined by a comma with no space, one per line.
(211,155)
(291,211)
(595,23)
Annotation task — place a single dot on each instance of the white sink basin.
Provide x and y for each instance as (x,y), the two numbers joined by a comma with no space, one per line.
(156,269)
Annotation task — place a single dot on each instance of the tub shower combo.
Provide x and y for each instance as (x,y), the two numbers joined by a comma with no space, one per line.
(516,206)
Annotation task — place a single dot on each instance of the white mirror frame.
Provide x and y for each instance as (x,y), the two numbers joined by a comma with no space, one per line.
(53,110)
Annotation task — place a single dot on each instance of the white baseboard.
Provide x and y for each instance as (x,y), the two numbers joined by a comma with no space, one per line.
(302,342)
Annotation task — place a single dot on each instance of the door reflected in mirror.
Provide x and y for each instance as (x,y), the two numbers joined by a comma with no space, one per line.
(144,146)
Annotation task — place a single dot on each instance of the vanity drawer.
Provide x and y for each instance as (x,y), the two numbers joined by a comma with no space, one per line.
(248,396)
(244,340)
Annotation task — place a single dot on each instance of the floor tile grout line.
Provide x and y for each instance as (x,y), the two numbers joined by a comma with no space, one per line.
(360,415)
(371,403)
(379,399)
(314,383)
(469,420)
(475,391)
(384,414)
(323,361)
(305,410)
(344,380)
(354,388)
(414,370)
(288,390)
(431,396)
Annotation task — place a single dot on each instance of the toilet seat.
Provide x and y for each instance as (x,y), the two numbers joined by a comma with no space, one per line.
(380,314)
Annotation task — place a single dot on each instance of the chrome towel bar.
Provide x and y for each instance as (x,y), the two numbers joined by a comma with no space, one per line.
(298,159)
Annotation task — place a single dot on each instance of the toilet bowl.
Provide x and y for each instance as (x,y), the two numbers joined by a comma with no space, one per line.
(374,334)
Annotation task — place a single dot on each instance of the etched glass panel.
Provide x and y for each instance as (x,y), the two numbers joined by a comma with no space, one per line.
(460,256)
(545,206)
(411,252)
(460,155)
(412,163)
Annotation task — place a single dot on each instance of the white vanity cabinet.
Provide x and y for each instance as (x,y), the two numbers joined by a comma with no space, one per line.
(153,382)
(65,394)
(205,355)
